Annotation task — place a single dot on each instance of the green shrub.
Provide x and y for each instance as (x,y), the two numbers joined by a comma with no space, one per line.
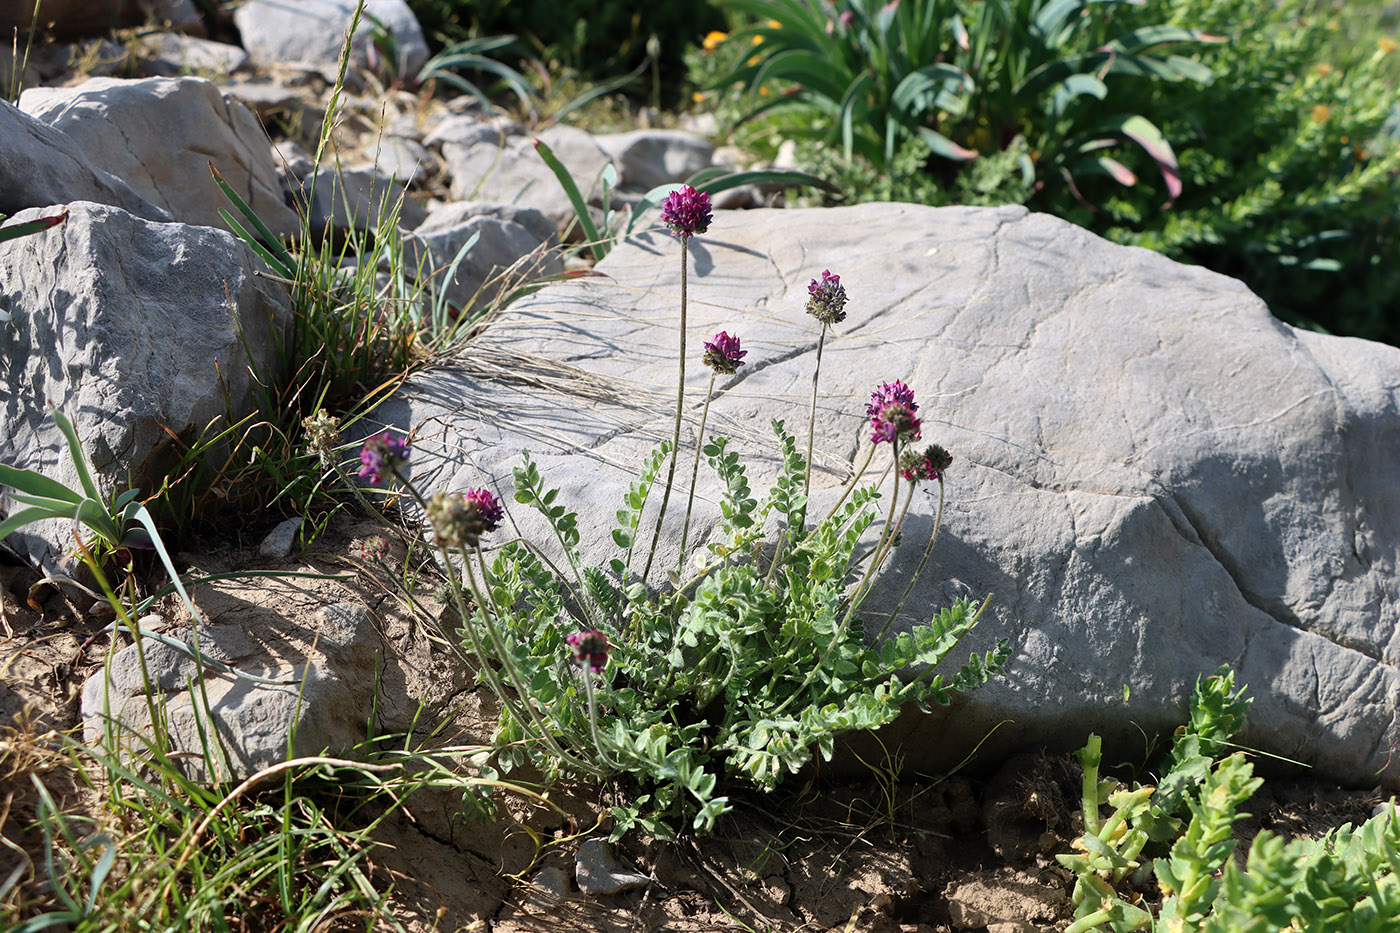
(1288,176)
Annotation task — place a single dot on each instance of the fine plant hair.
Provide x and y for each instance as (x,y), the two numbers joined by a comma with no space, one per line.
(1178,834)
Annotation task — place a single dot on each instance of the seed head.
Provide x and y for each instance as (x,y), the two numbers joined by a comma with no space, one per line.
(459,520)
(926,464)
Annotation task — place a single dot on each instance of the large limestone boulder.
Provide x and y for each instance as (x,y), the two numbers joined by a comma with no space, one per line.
(41,166)
(1152,475)
(161,134)
(312,32)
(133,329)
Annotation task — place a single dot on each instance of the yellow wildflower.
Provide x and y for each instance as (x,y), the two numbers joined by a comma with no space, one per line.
(1322,113)
(697,96)
(763,91)
(1323,70)
(753,61)
(1386,45)
(757,40)
(775,24)
(713,39)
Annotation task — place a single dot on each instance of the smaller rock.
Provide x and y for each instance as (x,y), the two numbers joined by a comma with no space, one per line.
(169,55)
(444,217)
(401,159)
(647,159)
(1385,806)
(598,871)
(278,543)
(311,32)
(551,886)
(356,198)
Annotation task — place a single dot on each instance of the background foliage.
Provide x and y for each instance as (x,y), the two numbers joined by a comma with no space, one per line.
(1287,154)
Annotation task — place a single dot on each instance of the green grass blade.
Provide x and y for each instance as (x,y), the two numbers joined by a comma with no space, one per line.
(590,229)
(75,450)
(284,258)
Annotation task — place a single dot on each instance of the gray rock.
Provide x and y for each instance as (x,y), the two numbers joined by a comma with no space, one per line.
(41,166)
(403,160)
(356,198)
(453,214)
(312,32)
(1153,476)
(467,131)
(551,886)
(264,99)
(503,248)
(320,702)
(161,134)
(130,328)
(169,54)
(647,159)
(278,543)
(598,871)
(515,174)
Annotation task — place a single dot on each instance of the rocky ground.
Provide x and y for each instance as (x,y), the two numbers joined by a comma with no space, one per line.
(897,851)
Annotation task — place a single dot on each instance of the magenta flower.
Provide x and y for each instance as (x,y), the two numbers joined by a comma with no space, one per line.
(892,412)
(926,464)
(723,354)
(826,299)
(686,212)
(383,457)
(591,648)
(460,520)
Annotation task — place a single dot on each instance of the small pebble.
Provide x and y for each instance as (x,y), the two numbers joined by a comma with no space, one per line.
(598,871)
(278,543)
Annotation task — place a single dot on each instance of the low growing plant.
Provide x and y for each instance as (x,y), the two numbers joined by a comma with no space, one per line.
(736,666)
(1348,880)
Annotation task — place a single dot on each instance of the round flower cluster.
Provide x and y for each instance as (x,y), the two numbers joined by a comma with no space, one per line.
(590,648)
(826,300)
(686,212)
(926,464)
(383,457)
(893,413)
(723,354)
(372,550)
(460,520)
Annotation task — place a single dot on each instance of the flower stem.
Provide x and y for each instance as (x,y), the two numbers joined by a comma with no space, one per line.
(695,473)
(812,417)
(680,407)
(928,549)
(840,634)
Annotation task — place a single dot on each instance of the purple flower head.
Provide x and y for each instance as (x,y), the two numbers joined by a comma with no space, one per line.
(826,300)
(723,354)
(686,212)
(374,549)
(926,464)
(892,412)
(383,457)
(591,648)
(460,520)
(847,18)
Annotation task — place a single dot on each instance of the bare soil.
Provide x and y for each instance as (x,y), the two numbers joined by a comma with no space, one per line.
(896,852)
